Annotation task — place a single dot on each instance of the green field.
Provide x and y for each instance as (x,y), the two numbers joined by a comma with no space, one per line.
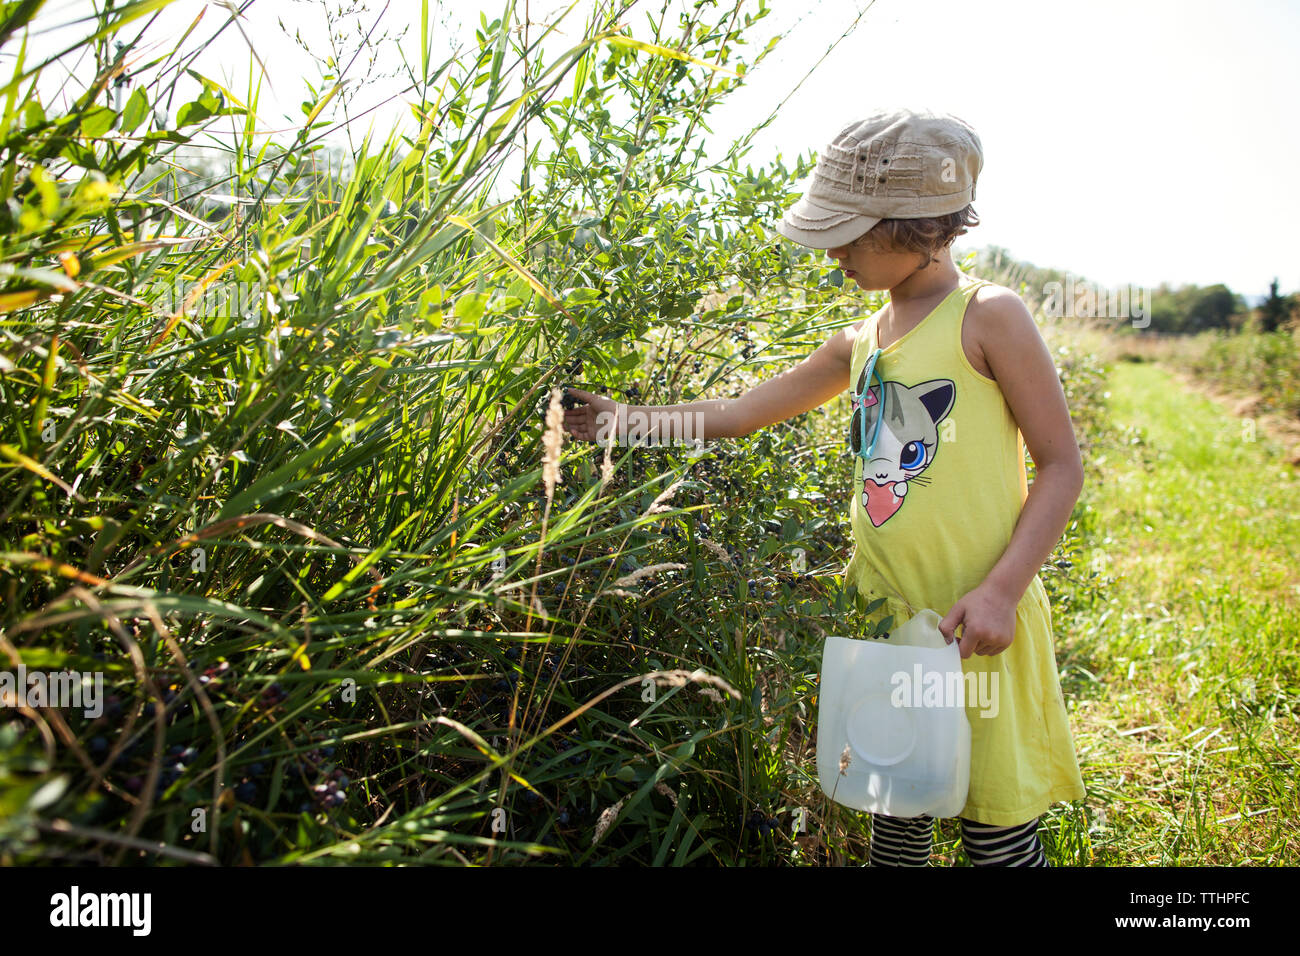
(1182,670)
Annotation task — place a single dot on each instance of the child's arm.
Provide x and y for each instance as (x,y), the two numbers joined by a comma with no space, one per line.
(1022,365)
(813,382)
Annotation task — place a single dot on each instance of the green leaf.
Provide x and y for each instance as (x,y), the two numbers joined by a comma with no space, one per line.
(581,296)
(48,192)
(97,121)
(16,16)
(471,305)
(137,107)
(192,113)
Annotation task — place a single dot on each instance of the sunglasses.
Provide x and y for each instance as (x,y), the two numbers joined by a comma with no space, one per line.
(861,399)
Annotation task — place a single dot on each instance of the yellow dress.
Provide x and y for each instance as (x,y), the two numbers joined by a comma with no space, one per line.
(931,517)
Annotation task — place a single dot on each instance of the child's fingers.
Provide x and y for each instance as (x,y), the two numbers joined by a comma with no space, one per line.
(968,643)
(577,421)
(948,625)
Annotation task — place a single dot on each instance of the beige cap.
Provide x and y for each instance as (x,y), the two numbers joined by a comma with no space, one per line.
(895,164)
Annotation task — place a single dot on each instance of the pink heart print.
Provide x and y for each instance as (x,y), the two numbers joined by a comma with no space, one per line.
(881,502)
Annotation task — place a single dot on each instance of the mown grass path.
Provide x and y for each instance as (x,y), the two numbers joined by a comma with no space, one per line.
(1182,669)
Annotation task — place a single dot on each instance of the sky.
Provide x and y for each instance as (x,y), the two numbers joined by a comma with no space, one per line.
(1126,141)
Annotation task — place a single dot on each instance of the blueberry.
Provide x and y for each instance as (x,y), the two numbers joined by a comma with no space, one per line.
(562,817)
(98,745)
(256,769)
(512,653)
(246,792)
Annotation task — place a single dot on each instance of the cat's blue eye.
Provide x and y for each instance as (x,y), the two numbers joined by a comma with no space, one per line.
(913,455)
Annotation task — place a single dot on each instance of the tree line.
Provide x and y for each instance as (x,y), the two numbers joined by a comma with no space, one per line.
(1180,310)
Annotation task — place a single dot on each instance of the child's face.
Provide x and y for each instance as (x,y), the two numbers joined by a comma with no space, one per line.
(872,266)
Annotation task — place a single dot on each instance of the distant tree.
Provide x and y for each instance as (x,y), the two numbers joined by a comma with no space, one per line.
(1190,309)
(1185,310)
(1274,310)
(1212,308)
(1166,311)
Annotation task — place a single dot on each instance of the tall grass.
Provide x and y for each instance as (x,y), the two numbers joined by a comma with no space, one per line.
(1263,364)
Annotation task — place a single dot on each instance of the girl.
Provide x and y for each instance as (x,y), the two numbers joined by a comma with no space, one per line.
(950,382)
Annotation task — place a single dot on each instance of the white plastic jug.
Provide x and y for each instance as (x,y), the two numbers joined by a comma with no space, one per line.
(898,705)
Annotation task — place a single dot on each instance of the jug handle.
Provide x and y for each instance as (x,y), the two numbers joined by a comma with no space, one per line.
(930,637)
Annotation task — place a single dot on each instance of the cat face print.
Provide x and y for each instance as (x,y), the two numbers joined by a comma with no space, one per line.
(907,441)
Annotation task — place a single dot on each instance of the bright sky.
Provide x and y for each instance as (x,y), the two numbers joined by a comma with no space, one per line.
(1128,141)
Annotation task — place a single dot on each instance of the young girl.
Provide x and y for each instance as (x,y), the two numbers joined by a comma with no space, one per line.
(950,382)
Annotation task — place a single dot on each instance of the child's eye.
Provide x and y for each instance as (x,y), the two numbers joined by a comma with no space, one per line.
(913,455)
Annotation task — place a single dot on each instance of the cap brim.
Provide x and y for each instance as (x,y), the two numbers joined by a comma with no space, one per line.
(817,227)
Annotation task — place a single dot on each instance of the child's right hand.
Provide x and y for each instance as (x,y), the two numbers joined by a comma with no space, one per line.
(584,421)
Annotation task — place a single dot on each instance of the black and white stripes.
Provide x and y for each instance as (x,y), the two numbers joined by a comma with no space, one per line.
(897,841)
(1003,846)
(906,842)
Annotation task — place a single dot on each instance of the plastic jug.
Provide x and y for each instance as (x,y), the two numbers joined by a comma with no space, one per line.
(898,705)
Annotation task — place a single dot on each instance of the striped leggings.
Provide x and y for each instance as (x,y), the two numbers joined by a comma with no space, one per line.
(897,841)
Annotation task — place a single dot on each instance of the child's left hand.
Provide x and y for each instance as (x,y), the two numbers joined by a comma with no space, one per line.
(988,619)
